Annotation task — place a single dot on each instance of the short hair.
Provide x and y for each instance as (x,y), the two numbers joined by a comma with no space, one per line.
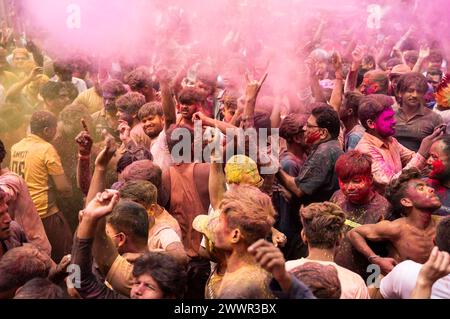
(132,155)
(2,151)
(322,280)
(396,189)
(190,96)
(50,90)
(292,125)
(412,78)
(354,163)
(139,79)
(352,100)
(130,103)
(371,107)
(172,141)
(21,264)
(150,109)
(130,218)
(230,101)
(143,170)
(40,120)
(379,77)
(261,119)
(250,210)
(114,87)
(139,191)
(442,236)
(323,224)
(168,273)
(411,56)
(39,288)
(62,67)
(445,139)
(73,113)
(327,118)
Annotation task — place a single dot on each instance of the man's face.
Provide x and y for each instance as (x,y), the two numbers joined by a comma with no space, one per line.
(412,97)
(153,125)
(312,131)
(5,221)
(60,102)
(356,189)
(124,116)
(422,196)
(116,237)
(439,162)
(384,125)
(434,80)
(222,234)
(228,114)
(19,60)
(368,86)
(109,102)
(187,111)
(145,287)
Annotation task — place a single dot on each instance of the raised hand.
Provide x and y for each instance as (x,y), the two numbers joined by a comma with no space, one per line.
(424,52)
(254,86)
(358,54)
(105,156)
(84,140)
(101,205)
(336,60)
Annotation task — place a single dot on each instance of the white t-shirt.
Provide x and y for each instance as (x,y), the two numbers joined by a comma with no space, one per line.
(160,151)
(352,284)
(400,282)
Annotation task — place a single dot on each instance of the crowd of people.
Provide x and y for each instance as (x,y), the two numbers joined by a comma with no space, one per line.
(140,181)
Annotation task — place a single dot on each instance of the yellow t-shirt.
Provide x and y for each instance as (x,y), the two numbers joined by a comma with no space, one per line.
(91,100)
(35,160)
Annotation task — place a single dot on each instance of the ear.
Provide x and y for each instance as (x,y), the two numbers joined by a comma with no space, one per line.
(370,124)
(303,237)
(406,202)
(122,239)
(434,240)
(236,235)
(350,112)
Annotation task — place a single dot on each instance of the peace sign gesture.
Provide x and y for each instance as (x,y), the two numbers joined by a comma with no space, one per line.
(253,86)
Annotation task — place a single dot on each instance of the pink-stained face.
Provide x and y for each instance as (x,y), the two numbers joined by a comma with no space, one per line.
(357,189)
(368,86)
(222,234)
(5,221)
(384,125)
(438,161)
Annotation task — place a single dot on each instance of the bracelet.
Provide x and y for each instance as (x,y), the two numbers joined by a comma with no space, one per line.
(373,256)
(84,157)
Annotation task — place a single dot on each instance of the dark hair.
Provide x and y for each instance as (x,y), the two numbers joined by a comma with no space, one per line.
(50,90)
(411,56)
(445,139)
(327,118)
(139,79)
(150,109)
(352,100)
(168,273)
(353,163)
(412,78)
(39,288)
(172,141)
(22,264)
(396,189)
(73,113)
(322,280)
(143,170)
(132,155)
(443,234)
(393,62)
(130,103)
(371,107)
(130,218)
(261,119)
(114,87)
(40,120)
(63,69)
(323,223)
(291,126)
(2,151)
(379,77)
(190,96)
(139,191)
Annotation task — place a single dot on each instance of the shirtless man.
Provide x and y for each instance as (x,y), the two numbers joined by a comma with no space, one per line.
(411,236)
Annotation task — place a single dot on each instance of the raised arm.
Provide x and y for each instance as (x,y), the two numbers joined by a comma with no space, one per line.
(168,102)
(336,95)
(424,53)
(251,94)
(17,88)
(84,142)
(314,80)
(383,230)
(352,76)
